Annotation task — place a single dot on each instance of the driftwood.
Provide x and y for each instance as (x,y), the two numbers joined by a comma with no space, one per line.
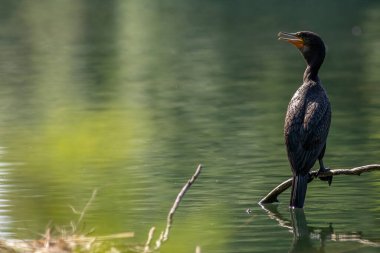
(272,195)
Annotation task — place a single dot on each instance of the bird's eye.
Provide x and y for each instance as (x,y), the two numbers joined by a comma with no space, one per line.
(300,35)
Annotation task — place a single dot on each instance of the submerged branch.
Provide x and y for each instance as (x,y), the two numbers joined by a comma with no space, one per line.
(165,234)
(272,195)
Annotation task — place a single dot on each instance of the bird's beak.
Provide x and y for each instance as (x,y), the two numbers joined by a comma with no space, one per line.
(292,38)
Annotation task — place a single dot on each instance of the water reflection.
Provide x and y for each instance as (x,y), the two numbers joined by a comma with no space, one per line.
(5,218)
(308,238)
(301,233)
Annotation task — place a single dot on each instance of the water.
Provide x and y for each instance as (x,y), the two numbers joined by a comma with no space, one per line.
(128,97)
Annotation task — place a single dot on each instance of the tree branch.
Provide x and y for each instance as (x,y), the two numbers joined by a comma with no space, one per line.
(272,196)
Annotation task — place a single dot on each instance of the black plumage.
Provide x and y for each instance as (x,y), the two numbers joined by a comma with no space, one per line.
(308,117)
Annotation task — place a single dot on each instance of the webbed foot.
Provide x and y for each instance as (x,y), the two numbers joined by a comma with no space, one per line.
(328,178)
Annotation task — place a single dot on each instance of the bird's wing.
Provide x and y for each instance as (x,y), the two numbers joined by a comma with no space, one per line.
(316,122)
(305,137)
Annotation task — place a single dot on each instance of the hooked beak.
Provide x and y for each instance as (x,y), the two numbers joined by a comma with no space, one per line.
(292,38)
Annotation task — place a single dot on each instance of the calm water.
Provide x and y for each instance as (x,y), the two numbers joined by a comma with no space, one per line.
(128,97)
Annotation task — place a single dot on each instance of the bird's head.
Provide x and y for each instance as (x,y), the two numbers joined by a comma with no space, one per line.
(309,43)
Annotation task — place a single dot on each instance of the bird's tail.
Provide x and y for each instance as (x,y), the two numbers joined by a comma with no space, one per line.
(299,187)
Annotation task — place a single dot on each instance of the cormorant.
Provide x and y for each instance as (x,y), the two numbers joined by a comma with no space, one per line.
(308,117)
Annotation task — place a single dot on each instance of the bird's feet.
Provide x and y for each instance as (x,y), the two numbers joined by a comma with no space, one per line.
(328,178)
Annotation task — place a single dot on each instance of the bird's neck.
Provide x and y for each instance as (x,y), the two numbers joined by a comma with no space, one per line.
(313,64)
(310,74)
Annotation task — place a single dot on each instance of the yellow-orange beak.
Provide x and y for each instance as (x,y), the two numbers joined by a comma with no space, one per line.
(292,38)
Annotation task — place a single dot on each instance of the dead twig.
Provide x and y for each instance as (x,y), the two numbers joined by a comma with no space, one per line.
(165,234)
(272,195)
(150,237)
(83,212)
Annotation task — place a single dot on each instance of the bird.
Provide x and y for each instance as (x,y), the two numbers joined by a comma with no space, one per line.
(308,116)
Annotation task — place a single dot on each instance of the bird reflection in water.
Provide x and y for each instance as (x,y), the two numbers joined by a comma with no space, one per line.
(305,236)
(301,233)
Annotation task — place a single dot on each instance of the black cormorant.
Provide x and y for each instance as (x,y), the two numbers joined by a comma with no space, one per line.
(308,117)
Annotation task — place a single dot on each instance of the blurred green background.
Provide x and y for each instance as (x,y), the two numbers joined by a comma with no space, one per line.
(128,97)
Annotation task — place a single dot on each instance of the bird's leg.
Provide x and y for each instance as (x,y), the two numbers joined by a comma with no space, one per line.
(323,169)
(310,178)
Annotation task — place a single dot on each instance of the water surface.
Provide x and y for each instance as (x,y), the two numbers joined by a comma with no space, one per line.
(128,97)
